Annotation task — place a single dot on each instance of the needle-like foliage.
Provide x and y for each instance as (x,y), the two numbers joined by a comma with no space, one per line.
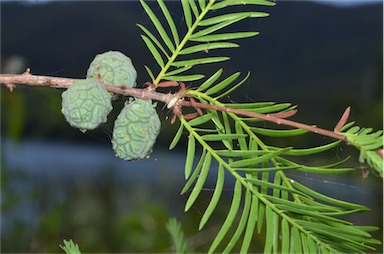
(177,236)
(367,143)
(70,247)
(296,219)
(173,51)
(233,140)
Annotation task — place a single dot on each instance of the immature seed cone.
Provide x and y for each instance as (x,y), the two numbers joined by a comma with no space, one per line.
(86,104)
(113,68)
(135,131)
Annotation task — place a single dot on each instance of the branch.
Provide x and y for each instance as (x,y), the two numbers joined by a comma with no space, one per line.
(267,117)
(169,99)
(34,80)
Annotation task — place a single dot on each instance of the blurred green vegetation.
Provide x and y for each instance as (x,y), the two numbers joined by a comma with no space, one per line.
(100,215)
(40,213)
(87,212)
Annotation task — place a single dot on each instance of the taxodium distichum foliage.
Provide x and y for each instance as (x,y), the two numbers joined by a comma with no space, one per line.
(295,218)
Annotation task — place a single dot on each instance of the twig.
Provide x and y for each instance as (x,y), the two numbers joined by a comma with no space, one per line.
(34,80)
(267,117)
(343,120)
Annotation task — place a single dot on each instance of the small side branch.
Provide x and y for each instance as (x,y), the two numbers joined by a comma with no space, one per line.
(267,117)
(343,120)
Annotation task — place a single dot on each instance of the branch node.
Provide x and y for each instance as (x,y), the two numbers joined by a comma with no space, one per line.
(10,87)
(27,71)
(172,102)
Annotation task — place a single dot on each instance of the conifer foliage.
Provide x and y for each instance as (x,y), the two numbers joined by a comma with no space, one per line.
(223,139)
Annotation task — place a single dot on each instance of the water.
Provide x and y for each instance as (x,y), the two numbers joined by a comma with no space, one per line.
(60,160)
(63,162)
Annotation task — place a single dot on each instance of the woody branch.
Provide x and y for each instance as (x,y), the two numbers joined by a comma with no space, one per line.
(149,93)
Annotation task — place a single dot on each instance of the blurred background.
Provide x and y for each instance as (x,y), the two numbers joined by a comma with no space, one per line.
(57,183)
